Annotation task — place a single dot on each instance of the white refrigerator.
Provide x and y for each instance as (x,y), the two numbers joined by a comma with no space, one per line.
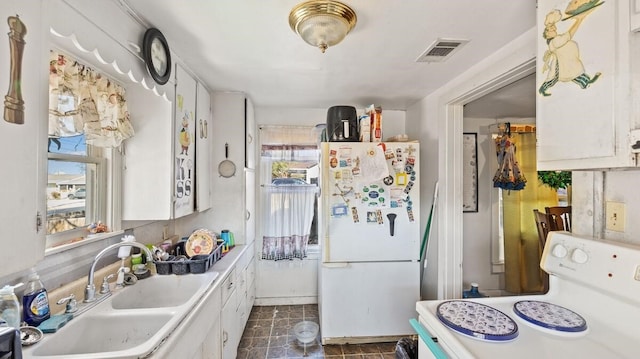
(369,275)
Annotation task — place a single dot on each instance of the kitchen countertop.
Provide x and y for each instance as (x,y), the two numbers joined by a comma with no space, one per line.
(223,267)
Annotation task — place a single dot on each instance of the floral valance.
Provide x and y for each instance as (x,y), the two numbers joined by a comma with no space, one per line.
(83,101)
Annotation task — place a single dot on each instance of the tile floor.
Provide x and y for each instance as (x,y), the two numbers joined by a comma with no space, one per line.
(269,334)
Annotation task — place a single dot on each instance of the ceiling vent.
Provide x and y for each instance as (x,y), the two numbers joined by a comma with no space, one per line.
(441,50)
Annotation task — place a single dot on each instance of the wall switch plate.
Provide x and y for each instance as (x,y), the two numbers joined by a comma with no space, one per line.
(615,213)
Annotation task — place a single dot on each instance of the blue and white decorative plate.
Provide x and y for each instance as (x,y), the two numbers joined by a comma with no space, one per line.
(550,316)
(477,320)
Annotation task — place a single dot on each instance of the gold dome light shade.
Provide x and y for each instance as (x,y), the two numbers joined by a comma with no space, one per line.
(322,23)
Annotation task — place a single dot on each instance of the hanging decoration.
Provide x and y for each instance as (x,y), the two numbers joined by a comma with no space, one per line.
(13,103)
(508,176)
(83,101)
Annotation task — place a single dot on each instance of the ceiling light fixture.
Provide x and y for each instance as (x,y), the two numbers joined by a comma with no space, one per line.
(322,23)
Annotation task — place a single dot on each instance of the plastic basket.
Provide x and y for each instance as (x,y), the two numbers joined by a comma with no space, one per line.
(196,264)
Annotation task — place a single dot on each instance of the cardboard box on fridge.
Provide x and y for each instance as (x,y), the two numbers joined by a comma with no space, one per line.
(375,113)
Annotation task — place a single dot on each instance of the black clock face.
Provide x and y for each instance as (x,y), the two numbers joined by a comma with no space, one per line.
(157,56)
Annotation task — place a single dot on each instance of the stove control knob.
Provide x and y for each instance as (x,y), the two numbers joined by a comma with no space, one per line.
(579,256)
(559,251)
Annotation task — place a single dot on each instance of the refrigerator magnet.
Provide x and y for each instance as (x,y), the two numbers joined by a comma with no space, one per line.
(410,214)
(379,217)
(401,178)
(339,210)
(354,215)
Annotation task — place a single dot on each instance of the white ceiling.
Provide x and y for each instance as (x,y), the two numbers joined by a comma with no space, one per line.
(517,99)
(247,45)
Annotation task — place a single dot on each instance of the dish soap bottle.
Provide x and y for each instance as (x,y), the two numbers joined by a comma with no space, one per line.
(9,306)
(473,292)
(35,303)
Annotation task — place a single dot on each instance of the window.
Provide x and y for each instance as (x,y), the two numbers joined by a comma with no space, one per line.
(88,117)
(74,188)
(289,156)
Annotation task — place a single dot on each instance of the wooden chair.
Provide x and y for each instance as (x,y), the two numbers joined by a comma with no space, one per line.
(542,223)
(559,218)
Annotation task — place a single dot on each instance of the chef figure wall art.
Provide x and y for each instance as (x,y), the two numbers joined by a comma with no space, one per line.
(562,61)
(582,64)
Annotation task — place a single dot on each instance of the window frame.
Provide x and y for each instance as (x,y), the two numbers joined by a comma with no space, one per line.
(98,197)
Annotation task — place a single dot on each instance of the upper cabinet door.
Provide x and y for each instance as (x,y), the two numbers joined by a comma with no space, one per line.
(203,148)
(23,139)
(584,85)
(250,135)
(185,143)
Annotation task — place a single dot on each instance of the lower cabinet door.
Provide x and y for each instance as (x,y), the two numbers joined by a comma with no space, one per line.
(212,346)
(230,329)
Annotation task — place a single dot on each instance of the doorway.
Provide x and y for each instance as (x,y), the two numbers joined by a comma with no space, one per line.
(501,251)
(514,62)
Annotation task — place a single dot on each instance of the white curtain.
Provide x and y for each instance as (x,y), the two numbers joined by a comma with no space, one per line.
(287,210)
(288,213)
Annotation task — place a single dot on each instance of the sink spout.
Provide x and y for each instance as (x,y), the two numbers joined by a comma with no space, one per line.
(90,290)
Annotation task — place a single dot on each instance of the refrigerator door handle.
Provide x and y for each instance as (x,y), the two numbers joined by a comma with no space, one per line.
(335,264)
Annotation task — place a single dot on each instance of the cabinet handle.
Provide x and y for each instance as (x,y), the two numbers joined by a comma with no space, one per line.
(201,130)
(248,215)
(206,129)
(225,337)
(230,285)
(249,138)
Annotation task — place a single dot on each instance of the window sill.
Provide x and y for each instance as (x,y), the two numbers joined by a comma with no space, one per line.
(88,239)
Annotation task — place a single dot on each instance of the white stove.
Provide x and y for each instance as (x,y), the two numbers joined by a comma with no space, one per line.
(592,309)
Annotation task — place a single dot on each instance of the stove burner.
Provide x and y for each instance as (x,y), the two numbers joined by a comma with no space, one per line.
(550,316)
(477,320)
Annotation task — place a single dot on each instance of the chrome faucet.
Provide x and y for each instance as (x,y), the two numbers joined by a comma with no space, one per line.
(90,290)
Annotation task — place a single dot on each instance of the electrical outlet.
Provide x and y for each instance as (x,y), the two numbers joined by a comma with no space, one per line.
(615,213)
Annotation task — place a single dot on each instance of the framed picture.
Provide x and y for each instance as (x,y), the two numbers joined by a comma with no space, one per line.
(470,172)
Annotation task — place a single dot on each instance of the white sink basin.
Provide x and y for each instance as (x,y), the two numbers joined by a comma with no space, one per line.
(103,333)
(131,323)
(161,291)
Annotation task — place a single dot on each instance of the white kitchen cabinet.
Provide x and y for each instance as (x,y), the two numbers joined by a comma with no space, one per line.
(246,287)
(231,112)
(250,206)
(251,285)
(23,146)
(203,149)
(230,328)
(159,177)
(185,143)
(212,346)
(250,135)
(238,295)
(588,126)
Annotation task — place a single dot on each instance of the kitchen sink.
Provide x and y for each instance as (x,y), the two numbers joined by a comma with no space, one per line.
(106,332)
(131,323)
(161,291)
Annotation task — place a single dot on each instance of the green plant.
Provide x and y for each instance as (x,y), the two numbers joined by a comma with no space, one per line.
(555,179)
(280,169)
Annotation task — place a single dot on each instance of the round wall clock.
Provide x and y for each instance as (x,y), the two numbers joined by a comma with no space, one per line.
(156,55)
